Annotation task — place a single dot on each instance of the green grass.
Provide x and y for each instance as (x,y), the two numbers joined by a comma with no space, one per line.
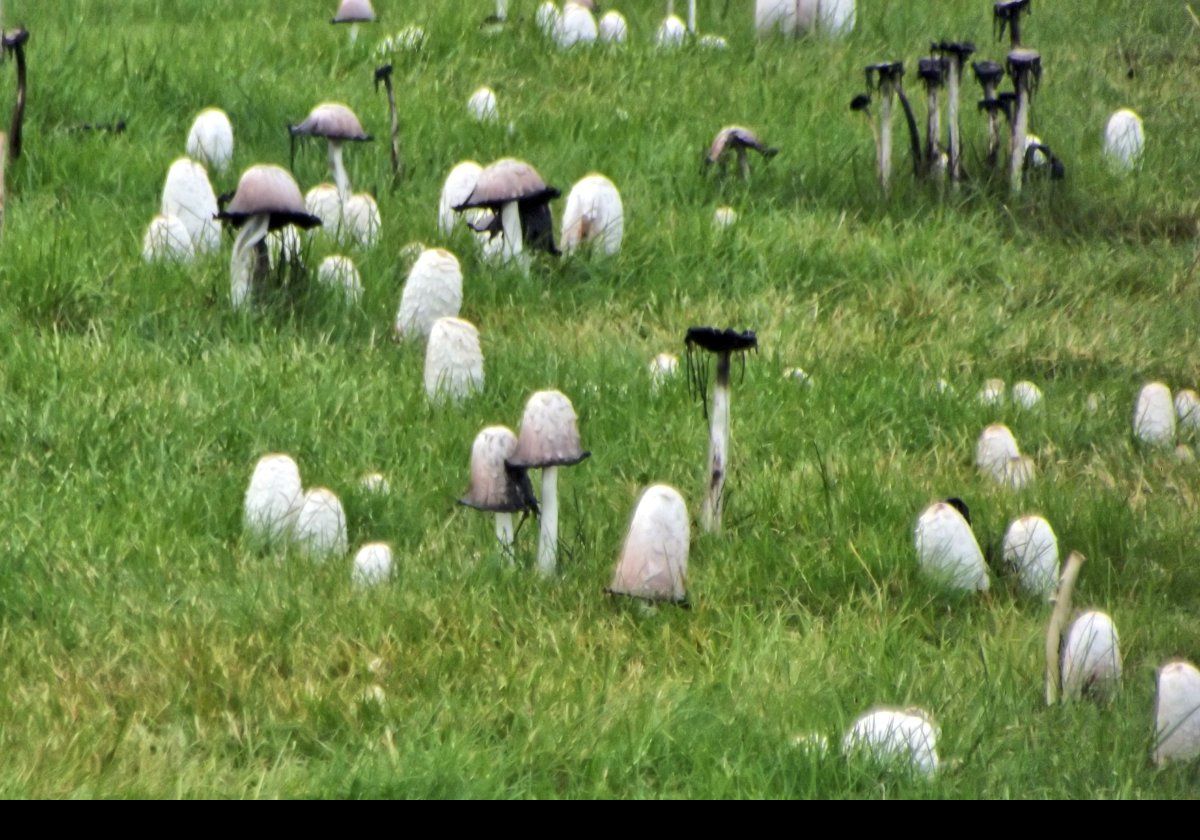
(148,649)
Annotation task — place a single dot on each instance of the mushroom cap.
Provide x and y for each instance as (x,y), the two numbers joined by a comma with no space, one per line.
(594,214)
(962,50)
(549,433)
(721,341)
(577,24)
(1021,59)
(932,71)
(1124,139)
(482,105)
(210,139)
(736,136)
(432,290)
(653,561)
(1154,415)
(321,525)
(325,202)
(188,195)
(672,32)
(167,238)
(496,486)
(333,121)
(947,549)
(995,448)
(338,272)
(362,220)
(507,180)
(895,736)
(1031,550)
(354,11)
(1091,657)
(453,360)
(274,496)
(372,564)
(456,189)
(612,28)
(267,189)
(1026,394)
(988,72)
(1187,409)
(14,38)
(1177,713)
(891,71)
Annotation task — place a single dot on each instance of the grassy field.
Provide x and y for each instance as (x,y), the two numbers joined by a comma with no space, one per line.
(148,649)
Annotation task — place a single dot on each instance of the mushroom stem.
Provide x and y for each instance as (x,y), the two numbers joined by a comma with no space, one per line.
(547,559)
(3,182)
(691,21)
(1058,620)
(914,134)
(743,163)
(18,117)
(718,448)
(340,177)
(933,131)
(993,149)
(510,221)
(391,95)
(353,34)
(1020,131)
(243,266)
(953,88)
(885,134)
(505,532)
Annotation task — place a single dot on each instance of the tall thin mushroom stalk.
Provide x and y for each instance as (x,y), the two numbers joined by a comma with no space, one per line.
(1025,67)
(723,344)
(932,73)
(1058,620)
(384,74)
(15,41)
(886,78)
(956,54)
(1006,16)
(989,74)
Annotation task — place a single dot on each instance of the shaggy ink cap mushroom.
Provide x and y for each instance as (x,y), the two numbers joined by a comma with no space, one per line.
(549,435)
(332,121)
(889,71)
(861,102)
(505,181)
(734,137)
(960,50)
(1027,63)
(932,71)
(268,190)
(988,73)
(716,340)
(1006,16)
(496,486)
(354,11)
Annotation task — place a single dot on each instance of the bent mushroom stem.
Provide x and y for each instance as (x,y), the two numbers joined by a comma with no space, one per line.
(914,134)
(18,117)
(244,266)
(1058,620)
(384,74)
(933,129)
(547,559)
(340,177)
(510,221)
(718,448)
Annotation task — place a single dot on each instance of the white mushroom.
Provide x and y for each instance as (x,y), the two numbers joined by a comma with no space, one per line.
(453,360)
(664,366)
(577,25)
(1177,714)
(362,220)
(273,498)
(167,240)
(549,439)
(992,392)
(324,202)
(595,216)
(188,196)
(1187,409)
(1018,472)
(995,449)
(433,290)
(1031,551)
(497,487)
(353,13)
(1124,140)
(456,189)
(1026,395)
(482,105)
(337,272)
(372,565)
(320,531)
(338,125)
(516,192)
(1091,657)
(725,217)
(900,738)
(1154,415)
(613,28)
(375,483)
(210,139)
(653,561)
(671,33)
(947,550)
(547,18)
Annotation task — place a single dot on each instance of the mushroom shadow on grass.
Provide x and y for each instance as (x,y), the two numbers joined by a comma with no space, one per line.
(723,344)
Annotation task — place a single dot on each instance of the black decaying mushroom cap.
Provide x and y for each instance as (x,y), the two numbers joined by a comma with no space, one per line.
(15,38)
(932,71)
(962,50)
(1000,104)
(382,74)
(884,71)
(1027,63)
(960,506)
(1006,14)
(1057,168)
(988,72)
(862,102)
(716,340)
(520,496)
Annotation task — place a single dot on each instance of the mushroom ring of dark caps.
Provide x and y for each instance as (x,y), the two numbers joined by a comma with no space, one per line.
(721,341)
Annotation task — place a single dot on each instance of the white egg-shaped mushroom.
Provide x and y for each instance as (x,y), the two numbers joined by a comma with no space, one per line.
(188,196)
(672,32)
(372,565)
(482,105)
(947,549)
(724,217)
(453,360)
(664,366)
(362,220)
(995,449)
(434,289)
(836,17)
(594,216)
(456,189)
(210,139)
(338,272)
(992,392)
(547,18)
(320,531)
(1124,139)
(273,498)
(780,16)
(1187,410)
(324,202)
(1091,657)
(577,26)
(899,738)
(613,28)
(167,240)
(1177,714)
(1154,415)
(1031,552)
(375,482)
(1018,472)
(1026,395)
(653,561)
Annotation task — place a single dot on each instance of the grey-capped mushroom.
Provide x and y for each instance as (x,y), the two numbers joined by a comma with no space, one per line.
(338,125)
(520,199)
(497,487)
(352,13)
(735,140)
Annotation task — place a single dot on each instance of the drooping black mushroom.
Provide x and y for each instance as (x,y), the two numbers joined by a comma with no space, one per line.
(1006,15)
(515,192)
(989,75)
(15,41)
(932,73)
(956,54)
(1025,67)
(887,77)
(736,139)
(723,344)
(384,74)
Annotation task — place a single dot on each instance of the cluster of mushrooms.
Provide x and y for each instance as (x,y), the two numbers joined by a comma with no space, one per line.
(507,204)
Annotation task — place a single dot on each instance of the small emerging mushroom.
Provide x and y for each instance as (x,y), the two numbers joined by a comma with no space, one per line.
(1124,140)
(456,189)
(273,498)
(577,25)
(736,140)
(324,202)
(496,487)
(724,217)
(672,32)
(372,565)
(664,366)
(267,198)
(433,290)
(1187,409)
(482,105)
(547,18)
(167,240)
(613,28)
(594,216)
(453,361)
(210,139)
(1091,658)
(320,531)
(1031,551)
(1018,472)
(1177,714)
(549,439)
(361,219)
(515,192)
(1026,395)
(992,392)
(947,550)
(352,13)
(995,448)
(375,483)
(894,737)
(653,561)
(337,272)
(1154,415)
